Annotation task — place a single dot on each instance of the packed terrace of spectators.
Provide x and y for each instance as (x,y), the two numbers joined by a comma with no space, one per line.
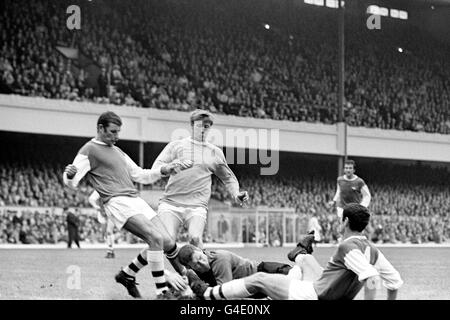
(409,203)
(217,55)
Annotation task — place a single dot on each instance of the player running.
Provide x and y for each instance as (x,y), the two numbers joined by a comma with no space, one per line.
(350,189)
(356,263)
(112,174)
(107,224)
(186,196)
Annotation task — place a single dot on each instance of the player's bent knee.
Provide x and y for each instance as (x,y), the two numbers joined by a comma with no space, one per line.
(309,259)
(258,279)
(154,239)
(158,239)
(169,243)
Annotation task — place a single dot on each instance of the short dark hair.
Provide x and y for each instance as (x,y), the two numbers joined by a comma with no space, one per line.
(186,252)
(349,161)
(109,117)
(358,216)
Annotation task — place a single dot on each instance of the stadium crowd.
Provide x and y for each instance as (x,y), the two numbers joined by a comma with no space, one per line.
(35,227)
(181,55)
(187,54)
(38,185)
(31,226)
(409,204)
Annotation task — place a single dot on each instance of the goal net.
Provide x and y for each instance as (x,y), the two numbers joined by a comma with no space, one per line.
(262,225)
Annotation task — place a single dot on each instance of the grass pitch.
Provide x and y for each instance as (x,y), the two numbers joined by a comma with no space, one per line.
(53,273)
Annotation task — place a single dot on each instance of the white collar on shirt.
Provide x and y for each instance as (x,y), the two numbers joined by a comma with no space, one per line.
(354,178)
(356,237)
(197,142)
(98,141)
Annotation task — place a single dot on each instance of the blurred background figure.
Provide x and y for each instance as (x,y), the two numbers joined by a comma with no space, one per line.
(72,227)
(314,226)
(222,228)
(106,223)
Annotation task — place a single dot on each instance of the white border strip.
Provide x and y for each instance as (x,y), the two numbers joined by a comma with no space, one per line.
(63,245)
(386,245)
(208,245)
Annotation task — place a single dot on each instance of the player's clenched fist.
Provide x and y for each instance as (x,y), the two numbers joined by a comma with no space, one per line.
(242,197)
(176,166)
(71,171)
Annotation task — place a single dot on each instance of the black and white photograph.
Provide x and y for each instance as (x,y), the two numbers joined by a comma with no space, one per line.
(227,155)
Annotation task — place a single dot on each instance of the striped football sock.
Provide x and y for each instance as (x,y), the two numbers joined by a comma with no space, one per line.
(156,262)
(137,264)
(172,253)
(229,290)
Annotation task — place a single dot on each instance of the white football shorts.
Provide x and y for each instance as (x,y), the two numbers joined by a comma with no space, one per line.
(120,209)
(182,213)
(302,290)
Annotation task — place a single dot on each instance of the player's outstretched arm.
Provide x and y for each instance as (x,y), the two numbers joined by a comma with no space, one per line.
(148,176)
(74,172)
(366,196)
(94,199)
(175,166)
(391,278)
(226,175)
(336,197)
(166,156)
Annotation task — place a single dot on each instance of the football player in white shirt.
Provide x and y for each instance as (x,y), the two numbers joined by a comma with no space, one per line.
(187,193)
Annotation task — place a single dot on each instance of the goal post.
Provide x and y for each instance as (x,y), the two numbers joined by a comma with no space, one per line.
(263,226)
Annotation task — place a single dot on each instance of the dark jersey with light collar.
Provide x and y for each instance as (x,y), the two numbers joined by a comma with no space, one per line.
(350,190)
(109,173)
(355,260)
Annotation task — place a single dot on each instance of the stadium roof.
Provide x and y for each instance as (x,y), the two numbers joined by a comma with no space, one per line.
(411,3)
